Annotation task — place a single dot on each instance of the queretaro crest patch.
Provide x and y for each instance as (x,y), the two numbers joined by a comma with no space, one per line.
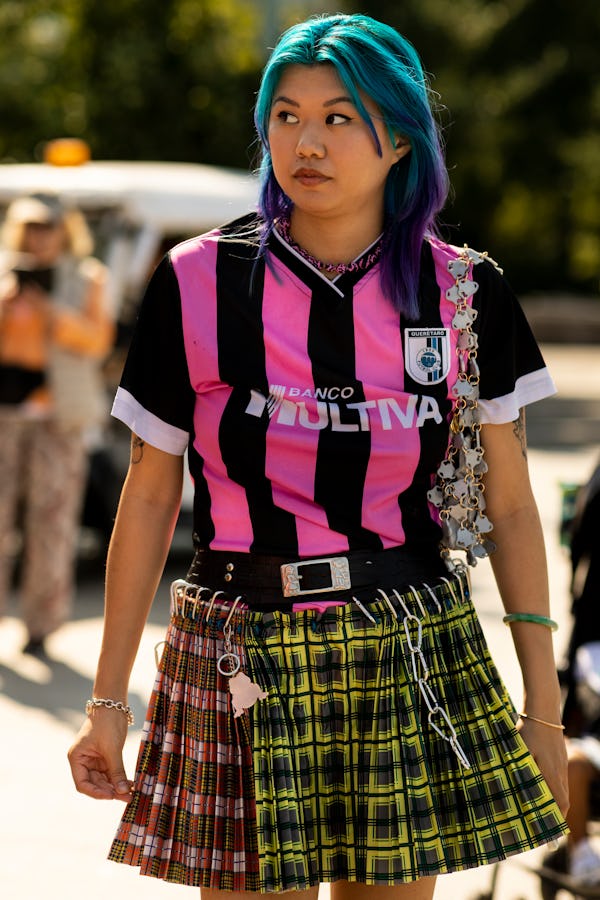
(427,354)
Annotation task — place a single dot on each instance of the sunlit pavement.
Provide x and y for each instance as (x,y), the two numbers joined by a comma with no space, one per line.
(53,841)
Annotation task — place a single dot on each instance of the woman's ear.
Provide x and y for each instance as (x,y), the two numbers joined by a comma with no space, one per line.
(402,147)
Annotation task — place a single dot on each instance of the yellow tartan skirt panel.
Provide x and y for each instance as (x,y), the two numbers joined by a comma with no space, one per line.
(352,781)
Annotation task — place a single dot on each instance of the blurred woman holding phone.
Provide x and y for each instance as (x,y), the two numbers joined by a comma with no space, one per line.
(55,329)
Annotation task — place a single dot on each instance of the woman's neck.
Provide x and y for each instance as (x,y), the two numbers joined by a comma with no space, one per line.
(333,240)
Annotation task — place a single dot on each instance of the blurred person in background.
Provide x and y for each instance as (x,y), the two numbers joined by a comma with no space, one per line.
(55,330)
(581,676)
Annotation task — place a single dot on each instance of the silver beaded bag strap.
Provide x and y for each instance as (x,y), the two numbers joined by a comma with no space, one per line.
(458,492)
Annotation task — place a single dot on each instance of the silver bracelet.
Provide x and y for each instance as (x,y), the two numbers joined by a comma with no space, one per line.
(109,704)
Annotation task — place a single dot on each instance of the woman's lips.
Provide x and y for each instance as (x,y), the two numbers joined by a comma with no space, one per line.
(310,177)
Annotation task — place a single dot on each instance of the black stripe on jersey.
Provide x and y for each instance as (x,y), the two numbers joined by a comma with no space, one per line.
(159,326)
(342,457)
(242,437)
(507,348)
(160,380)
(418,525)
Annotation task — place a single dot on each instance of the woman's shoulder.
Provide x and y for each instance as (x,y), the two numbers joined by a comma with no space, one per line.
(454,264)
(443,250)
(243,230)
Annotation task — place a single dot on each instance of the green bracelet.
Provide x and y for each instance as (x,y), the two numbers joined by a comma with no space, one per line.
(531,617)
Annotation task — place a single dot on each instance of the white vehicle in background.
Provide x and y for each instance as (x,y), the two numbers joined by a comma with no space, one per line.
(137,211)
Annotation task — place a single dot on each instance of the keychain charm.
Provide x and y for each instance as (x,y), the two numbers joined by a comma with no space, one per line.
(458,491)
(244,692)
(228,663)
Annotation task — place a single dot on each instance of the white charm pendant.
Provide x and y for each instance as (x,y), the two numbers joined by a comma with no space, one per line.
(244,693)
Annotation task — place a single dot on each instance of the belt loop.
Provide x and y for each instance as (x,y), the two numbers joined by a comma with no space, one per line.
(417,600)
(175,585)
(462,593)
(451,589)
(433,597)
(232,610)
(388,601)
(364,610)
(212,603)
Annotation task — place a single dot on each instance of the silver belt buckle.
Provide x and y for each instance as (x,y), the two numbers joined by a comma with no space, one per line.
(338,567)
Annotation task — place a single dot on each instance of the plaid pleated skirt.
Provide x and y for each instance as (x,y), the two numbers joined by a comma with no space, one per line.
(377,745)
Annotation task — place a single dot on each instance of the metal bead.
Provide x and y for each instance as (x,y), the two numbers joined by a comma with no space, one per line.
(227,577)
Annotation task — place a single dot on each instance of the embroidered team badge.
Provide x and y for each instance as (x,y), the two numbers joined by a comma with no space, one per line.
(427,354)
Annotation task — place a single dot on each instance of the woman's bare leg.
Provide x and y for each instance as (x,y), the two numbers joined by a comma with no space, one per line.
(351,890)
(340,890)
(213,894)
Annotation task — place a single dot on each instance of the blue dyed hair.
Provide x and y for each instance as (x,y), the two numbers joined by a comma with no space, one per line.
(373,58)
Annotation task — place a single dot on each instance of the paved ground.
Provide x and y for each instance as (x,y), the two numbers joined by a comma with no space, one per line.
(53,841)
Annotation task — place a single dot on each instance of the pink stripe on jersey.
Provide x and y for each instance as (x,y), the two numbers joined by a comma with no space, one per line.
(291,451)
(395,449)
(229,506)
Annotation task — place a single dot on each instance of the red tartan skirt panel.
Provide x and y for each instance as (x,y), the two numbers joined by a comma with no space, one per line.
(192,819)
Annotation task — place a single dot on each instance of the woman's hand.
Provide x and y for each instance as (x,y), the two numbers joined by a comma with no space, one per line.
(96,757)
(548,748)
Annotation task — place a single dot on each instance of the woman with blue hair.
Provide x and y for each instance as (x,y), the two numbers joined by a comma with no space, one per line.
(349,389)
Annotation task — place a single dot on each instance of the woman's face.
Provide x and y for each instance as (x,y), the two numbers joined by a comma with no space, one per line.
(45,241)
(323,152)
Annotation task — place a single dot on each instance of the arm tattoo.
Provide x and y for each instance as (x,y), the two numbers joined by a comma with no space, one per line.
(137,449)
(519,432)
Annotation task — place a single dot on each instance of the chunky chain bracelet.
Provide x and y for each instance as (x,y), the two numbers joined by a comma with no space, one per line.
(109,704)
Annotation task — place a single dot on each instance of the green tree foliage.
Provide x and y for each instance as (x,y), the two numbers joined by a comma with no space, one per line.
(175,79)
(138,79)
(518,80)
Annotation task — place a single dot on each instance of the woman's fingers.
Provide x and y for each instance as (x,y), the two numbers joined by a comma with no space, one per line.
(97,766)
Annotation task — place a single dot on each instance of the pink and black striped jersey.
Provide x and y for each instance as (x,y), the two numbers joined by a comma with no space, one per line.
(313,414)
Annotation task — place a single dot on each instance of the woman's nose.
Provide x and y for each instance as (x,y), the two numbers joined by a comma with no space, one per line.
(310,143)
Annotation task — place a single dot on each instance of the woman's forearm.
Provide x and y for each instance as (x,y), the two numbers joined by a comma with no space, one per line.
(136,558)
(519,562)
(519,566)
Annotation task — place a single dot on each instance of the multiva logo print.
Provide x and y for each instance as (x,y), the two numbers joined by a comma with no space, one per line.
(427,354)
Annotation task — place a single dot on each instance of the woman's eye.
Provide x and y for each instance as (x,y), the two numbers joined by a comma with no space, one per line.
(286,117)
(337,119)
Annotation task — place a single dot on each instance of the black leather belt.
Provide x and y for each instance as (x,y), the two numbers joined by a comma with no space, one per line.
(299,579)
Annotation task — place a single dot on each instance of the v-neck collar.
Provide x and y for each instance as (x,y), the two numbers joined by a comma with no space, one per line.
(310,275)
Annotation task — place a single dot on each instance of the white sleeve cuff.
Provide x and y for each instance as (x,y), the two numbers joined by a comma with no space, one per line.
(528,389)
(149,427)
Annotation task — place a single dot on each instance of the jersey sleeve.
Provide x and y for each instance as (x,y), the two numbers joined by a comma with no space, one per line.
(155,398)
(513,373)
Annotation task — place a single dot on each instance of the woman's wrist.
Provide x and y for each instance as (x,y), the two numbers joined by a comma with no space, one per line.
(547,723)
(95,703)
(543,701)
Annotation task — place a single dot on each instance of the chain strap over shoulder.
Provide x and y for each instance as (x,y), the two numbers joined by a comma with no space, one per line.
(458,492)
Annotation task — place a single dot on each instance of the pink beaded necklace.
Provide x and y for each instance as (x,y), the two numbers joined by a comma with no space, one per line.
(364,262)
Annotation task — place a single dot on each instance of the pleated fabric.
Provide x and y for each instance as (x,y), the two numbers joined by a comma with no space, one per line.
(192,819)
(384,751)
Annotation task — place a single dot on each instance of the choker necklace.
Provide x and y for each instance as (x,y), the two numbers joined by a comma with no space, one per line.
(363,262)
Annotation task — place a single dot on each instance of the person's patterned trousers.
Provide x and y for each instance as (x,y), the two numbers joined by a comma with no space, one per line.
(42,477)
